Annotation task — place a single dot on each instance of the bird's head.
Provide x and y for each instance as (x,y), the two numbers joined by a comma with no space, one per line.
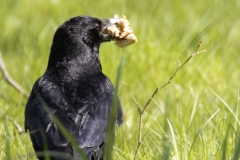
(79,36)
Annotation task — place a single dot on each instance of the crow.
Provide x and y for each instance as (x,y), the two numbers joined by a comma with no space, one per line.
(74,90)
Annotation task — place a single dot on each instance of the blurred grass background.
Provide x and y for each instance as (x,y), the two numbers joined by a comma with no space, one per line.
(166,31)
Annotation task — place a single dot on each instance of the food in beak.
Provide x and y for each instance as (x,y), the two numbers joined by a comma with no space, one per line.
(122,32)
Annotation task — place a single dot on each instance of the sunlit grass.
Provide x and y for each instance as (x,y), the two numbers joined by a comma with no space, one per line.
(197,115)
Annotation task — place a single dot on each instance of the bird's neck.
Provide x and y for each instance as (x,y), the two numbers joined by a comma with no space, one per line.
(74,63)
(76,70)
(79,67)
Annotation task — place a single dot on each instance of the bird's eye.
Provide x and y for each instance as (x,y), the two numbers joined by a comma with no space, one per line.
(97,27)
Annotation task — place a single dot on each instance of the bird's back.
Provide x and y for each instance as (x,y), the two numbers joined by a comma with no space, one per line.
(83,110)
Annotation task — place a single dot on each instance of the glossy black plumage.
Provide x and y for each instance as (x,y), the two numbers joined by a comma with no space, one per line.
(75,91)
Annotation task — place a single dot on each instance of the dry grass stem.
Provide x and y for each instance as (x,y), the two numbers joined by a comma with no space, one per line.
(9,79)
(17,126)
(141,112)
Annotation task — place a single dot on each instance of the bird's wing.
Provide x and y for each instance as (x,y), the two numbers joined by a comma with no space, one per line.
(98,98)
(43,131)
(84,114)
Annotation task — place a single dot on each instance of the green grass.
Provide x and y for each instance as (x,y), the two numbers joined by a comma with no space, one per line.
(195,117)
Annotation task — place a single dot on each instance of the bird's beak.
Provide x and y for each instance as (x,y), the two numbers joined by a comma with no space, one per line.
(105,24)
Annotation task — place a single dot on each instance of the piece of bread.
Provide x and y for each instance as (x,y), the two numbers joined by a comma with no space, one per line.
(123,32)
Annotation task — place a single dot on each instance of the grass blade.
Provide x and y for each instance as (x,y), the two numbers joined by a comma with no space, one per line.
(204,125)
(190,123)
(197,38)
(62,129)
(174,140)
(6,136)
(224,144)
(227,106)
(237,150)
(166,147)
(112,120)
(193,111)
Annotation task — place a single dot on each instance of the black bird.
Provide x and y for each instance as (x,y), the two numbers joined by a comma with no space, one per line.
(74,90)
